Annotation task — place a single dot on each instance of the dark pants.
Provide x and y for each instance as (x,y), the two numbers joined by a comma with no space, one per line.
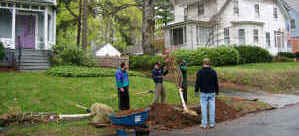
(123,99)
(185,90)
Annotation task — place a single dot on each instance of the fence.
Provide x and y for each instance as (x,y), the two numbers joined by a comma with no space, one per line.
(112,62)
(9,59)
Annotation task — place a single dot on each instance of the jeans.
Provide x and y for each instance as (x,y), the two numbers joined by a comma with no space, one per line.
(124,99)
(185,90)
(205,99)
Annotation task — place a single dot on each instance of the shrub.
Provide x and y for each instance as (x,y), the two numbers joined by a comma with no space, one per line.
(2,51)
(70,55)
(76,71)
(286,54)
(219,56)
(144,62)
(297,55)
(282,59)
(253,54)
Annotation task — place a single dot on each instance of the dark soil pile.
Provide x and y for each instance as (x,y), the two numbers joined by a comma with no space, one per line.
(163,116)
(166,117)
(7,69)
(223,111)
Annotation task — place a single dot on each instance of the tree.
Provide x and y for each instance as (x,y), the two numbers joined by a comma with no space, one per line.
(148,26)
(84,37)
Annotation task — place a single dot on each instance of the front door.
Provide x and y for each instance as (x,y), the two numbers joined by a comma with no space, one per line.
(25,31)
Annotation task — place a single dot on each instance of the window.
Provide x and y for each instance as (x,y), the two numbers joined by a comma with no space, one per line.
(236,7)
(256,36)
(275,13)
(293,24)
(226,36)
(186,14)
(268,39)
(257,9)
(5,23)
(201,9)
(177,36)
(242,37)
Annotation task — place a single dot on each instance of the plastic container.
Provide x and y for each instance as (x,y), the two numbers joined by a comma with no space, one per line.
(133,120)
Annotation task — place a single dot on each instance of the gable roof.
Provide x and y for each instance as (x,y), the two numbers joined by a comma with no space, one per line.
(106,50)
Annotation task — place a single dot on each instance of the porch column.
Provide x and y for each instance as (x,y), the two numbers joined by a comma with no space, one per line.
(13,30)
(54,26)
(46,28)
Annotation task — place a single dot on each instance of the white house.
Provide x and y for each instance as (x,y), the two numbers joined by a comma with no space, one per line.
(228,22)
(107,50)
(27,29)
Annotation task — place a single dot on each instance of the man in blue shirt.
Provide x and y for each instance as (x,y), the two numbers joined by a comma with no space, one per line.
(122,82)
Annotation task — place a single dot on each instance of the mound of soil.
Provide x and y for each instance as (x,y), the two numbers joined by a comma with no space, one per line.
(166,117)
(7,69)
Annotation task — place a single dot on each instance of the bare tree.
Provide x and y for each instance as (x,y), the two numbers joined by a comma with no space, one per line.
(148,27)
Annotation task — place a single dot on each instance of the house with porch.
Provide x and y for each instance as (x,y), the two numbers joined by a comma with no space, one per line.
(28,32)
(209,23)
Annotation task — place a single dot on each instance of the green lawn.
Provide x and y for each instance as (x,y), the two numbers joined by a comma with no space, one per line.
(272,77)
(38,92)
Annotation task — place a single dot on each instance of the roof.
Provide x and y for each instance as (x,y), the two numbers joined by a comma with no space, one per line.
(106,50)
(51,2)
(293,4)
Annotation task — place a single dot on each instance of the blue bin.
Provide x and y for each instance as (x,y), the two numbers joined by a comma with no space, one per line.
(125,133)
(133,120)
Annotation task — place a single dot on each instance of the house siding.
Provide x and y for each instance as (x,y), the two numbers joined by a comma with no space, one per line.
(246,19)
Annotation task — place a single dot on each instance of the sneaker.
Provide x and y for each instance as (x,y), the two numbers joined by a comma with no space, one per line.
(203,126)
(212,126)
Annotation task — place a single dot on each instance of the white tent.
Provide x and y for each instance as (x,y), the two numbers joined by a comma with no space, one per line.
(108,50)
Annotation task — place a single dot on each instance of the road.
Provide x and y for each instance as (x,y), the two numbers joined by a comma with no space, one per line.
(279,122)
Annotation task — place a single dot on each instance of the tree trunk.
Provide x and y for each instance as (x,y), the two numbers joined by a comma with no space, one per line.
(79,24)
(84,38)
(147,27)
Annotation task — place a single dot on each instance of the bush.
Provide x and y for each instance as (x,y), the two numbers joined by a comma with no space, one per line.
(253,54)
(297,55)
(282,59)
(287,54)
(145,62)
(76,71)
(70,55)
(219,56)
(2,51)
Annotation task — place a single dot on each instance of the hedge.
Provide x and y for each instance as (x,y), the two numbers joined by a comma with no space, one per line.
(145,62)
(79,71)
(253,54)
(286,54)
(219,56)
(297,55)
(2,51)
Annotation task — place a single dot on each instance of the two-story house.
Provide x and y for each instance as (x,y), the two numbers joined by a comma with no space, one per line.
(202,23)
(28,32)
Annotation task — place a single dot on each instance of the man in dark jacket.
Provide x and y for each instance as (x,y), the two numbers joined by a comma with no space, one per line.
(183,68)
(122,83)
(207,82)
(158,74)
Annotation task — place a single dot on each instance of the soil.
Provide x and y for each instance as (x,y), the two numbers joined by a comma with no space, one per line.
(7,69)
(167,117)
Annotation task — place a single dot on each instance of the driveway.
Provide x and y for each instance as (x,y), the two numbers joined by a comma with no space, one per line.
(279,122)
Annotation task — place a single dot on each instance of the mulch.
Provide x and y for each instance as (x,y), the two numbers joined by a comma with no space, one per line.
(167,117)
(8,69)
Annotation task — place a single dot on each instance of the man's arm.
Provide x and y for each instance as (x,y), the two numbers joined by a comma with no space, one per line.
(119,82)
(197,84)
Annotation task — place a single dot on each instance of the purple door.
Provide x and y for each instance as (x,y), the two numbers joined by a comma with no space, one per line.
(25,31)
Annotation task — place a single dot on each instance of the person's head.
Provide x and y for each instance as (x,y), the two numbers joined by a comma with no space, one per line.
(206,62)
(157,65)
(123,66)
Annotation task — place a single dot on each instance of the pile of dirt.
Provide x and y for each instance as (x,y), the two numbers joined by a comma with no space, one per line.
(8,69)
(166,117)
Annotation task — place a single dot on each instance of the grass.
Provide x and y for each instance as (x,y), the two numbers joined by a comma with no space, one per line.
(272,77)
(39,92)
